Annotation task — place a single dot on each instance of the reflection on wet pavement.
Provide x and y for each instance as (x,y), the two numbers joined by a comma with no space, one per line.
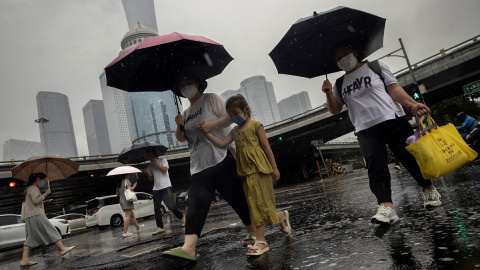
(331,229)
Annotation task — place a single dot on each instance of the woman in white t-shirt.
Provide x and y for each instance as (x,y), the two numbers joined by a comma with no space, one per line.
(378,120)
(211,167)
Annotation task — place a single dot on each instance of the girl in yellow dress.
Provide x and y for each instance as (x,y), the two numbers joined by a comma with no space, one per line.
(256,166)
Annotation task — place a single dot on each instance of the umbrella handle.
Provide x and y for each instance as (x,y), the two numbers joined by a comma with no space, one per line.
(182,127)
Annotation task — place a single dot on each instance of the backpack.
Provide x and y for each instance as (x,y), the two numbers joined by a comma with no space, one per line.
(374,66)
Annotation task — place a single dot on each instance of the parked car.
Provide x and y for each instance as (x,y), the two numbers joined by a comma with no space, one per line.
(182,199)
(12,229)
(76,221)
(106,211)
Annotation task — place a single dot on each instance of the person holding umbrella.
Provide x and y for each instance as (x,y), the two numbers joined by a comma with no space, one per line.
(211,167)
(157,171)
(38,229)
(123,183)
(373,106)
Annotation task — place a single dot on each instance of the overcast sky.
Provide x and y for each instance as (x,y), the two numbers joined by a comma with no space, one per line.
(63,45)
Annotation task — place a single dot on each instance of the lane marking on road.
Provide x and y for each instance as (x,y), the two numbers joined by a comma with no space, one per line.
(143,251)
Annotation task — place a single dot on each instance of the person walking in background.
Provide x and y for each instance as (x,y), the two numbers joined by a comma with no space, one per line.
(373,99)
(257,167)
(211,167)
(122,184)
(38,229)
(157,171)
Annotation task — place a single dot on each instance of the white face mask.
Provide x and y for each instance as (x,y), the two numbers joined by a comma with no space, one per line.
(189,91)
(347,63)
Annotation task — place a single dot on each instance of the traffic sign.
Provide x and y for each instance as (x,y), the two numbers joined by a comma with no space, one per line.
(471,88)
(317,143)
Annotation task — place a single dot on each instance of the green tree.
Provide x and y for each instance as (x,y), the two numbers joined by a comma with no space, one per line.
(446,111)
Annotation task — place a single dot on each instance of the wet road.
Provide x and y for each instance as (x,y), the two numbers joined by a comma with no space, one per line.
(331,230)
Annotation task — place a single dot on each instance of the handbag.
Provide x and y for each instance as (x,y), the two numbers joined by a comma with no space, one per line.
(439,150)
(130,195)
(22,214)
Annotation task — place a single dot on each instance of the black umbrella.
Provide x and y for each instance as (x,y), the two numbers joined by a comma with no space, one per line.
(156,62)
(307,49)
(137,153)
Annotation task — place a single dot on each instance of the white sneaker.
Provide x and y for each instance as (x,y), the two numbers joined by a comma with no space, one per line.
(127,234)
(184,220)
(385,215)
(431,197)
(139,229)
(158,231)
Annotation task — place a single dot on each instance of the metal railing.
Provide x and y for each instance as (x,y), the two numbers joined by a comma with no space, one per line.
(438,55)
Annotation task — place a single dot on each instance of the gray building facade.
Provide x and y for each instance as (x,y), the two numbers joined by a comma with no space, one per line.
(56,129)
(96,128)
(21,149)
(294,105)
(260,97)
(152,117)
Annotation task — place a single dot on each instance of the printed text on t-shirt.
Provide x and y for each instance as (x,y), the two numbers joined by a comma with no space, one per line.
(194,115)
(358,84)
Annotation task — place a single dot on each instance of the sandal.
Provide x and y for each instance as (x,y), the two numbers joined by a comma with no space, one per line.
(286,218)
(249,239)
(258,251)
(180,254)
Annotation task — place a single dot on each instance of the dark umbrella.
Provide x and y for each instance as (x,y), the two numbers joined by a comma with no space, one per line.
(307,49)
(155,63)
(138,152)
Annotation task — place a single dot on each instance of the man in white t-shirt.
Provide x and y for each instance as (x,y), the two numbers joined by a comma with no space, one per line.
(378,120)
(157,171)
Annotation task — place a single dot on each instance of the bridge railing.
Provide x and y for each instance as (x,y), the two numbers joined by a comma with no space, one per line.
(438,55)
(298,116)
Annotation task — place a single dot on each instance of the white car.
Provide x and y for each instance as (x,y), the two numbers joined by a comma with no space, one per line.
(12,229)
(76,221)
(105,211)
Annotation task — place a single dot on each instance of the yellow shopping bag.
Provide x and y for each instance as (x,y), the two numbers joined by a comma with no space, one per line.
(439,150)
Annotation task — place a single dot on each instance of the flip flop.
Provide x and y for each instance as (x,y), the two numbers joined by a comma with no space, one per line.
(249,239)
(179,253)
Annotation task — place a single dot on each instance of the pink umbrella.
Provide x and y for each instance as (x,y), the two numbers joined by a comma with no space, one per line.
(123,170)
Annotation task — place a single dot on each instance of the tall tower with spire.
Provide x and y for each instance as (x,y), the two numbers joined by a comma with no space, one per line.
(138,117)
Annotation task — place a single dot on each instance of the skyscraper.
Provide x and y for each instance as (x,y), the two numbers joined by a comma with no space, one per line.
(21,149)
(114,102)
(56,126)
(140,12)
(146,116)
(152,117)
(96,128)
(260,97)
(294,105)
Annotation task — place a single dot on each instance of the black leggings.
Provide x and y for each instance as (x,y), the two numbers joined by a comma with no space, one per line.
(373,144)
(222,177)
(166,196)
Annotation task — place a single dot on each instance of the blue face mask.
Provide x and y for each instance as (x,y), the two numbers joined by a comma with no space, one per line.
(41,184)
(239,120)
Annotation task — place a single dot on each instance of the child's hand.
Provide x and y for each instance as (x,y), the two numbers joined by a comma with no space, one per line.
(201,127)
(276,175)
